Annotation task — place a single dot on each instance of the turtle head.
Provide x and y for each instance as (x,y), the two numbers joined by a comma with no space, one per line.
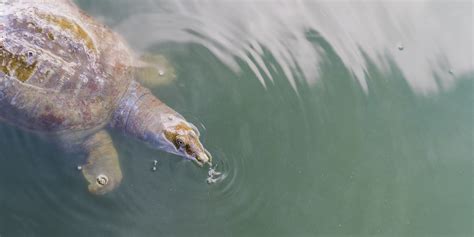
(180,137)
(141,115)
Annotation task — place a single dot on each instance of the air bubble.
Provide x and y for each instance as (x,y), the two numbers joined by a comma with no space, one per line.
(154,167)
(400,46)
(102,180)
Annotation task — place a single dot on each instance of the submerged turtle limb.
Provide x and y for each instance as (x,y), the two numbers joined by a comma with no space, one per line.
(154,70)
(102,170)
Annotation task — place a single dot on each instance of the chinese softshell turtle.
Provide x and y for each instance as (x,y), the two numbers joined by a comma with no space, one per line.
(67,76)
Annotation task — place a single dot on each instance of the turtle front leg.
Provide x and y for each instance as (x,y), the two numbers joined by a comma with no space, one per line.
(102,169)
(154,70)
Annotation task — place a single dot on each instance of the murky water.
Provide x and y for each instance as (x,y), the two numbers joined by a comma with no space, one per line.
(325,118)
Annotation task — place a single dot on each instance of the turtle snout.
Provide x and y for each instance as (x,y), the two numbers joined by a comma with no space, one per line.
(204,158)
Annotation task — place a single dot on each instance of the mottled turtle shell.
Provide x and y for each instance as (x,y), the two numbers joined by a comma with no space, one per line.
(59,69)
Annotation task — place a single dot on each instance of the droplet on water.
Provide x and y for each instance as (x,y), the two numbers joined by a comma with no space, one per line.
(209,180)
(155,163)
(400,46)
(213,176)
(102,180)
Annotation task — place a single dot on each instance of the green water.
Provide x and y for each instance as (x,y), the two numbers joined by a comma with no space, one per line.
(326,159)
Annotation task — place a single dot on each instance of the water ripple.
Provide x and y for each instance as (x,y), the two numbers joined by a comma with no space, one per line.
(231,29)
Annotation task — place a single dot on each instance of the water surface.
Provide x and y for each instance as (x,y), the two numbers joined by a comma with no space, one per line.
(326,118)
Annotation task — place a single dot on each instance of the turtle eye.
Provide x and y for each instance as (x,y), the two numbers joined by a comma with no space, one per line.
(179,142)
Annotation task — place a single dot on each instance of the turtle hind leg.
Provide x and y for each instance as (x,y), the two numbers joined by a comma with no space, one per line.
(102,169)
(154,70)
